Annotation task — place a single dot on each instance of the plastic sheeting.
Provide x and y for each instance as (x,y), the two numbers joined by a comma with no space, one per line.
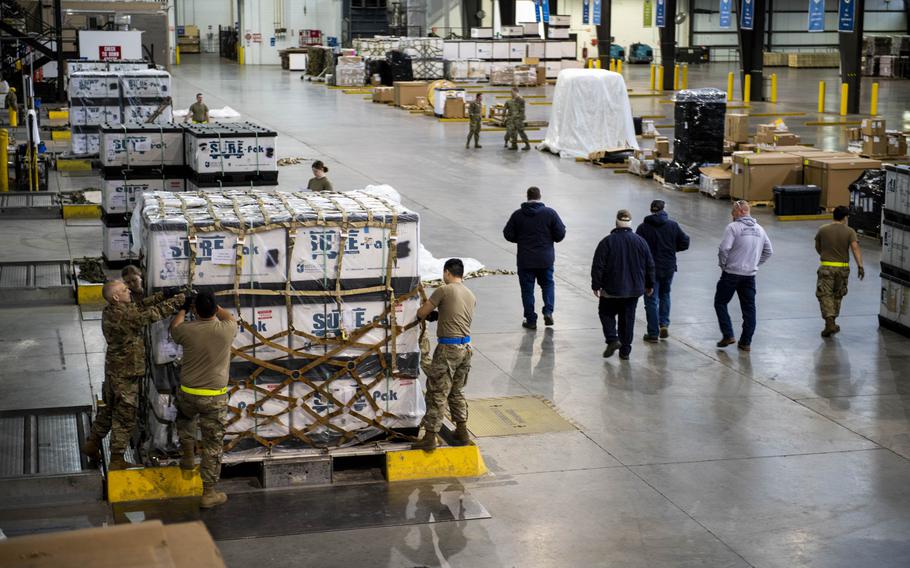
(591,113)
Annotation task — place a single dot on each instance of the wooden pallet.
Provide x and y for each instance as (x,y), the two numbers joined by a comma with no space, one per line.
(768,204)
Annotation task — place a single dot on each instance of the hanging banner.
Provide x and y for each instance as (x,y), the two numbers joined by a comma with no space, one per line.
(537,11)
(586,12)
(726,18)
(648,13)
(597,8)
(846,16)
(816,15)
(746,18)
(661,13)
(545,10)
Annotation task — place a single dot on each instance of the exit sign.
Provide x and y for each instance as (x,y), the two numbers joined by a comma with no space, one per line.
(109,52)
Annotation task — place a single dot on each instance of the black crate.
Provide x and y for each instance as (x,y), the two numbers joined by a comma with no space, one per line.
(796,199)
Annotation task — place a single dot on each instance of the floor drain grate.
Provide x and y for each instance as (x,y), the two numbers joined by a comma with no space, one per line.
(507,416)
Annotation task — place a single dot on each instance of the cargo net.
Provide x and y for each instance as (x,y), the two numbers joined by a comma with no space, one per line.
(325,288)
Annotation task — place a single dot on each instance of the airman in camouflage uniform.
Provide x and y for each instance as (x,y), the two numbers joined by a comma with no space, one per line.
(452,305)
(834,242)
(475,115)
(122,323)
(515,121)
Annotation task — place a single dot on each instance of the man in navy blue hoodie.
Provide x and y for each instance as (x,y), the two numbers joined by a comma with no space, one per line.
(621,272)
(535,227)
(665,238)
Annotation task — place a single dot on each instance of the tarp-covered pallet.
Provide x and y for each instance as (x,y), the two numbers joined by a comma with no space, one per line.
(325,288)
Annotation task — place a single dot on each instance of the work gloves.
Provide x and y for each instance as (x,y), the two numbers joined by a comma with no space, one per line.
(188,303)
(861,272)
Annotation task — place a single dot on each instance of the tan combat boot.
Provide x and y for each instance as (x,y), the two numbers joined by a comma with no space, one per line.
(462,436)
(188,459)
(211,497)
(427,443)
(830,328)
(117,462)
(91,448)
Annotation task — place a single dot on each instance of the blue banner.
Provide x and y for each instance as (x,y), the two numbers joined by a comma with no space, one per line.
(726,18)
(597,9)
(661,13)
(747,16)
(586,12)
(816,15)
(846,15)
(537,11)
(545,10)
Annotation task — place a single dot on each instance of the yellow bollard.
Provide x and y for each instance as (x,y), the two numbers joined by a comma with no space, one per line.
(676,77)
(873,108)
(619,65)
(612,64)
(240,55)
(844,93)
(177,55)
(747,88)
(821,96)
(730,79)
(597,63)
(653,75)
(4,160)
(660,77)
(13,118)
(685,77)
(773,87)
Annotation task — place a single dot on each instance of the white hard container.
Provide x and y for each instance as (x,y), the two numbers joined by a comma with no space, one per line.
(85,143)
(484,50)
(482,33)
(440,96)
(144,84)
(537,49)
(94,115)
(512,31)
(896,244)
(115,243)
(94,85)
(895,301)
(450,50)
(467,50)
(897,189)
(501,50)
(239,147)
(142,110)
(557,33)
(518,50)
(141,145)
(560,20)
(118,195)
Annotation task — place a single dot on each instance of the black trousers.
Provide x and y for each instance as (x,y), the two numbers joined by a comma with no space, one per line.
(621,310)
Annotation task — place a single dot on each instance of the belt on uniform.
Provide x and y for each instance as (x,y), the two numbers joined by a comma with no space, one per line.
(454,340)
(836,264)
(204,392)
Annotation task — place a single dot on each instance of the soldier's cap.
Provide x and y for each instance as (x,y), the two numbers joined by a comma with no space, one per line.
(624,215)
(657,205)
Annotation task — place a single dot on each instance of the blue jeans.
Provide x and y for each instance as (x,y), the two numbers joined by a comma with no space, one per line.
(657,305)
(544,277)
(744,287)
(621,311)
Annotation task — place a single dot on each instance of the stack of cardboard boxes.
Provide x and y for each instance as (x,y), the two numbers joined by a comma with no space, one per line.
(877,142)
(406,93)
(769,135)
(188,39)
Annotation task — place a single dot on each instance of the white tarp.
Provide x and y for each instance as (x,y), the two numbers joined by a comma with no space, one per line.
(590,113)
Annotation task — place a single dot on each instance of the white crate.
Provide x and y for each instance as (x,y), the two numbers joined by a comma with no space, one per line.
(142,111)
(115,243)
(557,33)
(134,145)
(512,31)
(518,50)
(569,50)
(82,66)
(896,244)
(895,301)
(560,20)
(230,148)
(553,50)
(143,84)
(94,85)
(897,189)
(484,50)
(127,66)
(537,49)
(119,195)
(467,50)
(501,50)
(85,143)
(92,115)
(450,50)
(531,29)
(482,33)
(553,68)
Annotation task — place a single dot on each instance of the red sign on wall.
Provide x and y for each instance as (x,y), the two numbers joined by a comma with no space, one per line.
(109,52)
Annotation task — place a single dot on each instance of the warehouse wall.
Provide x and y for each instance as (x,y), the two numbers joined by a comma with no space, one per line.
(260,17)
(445,16)
(205,13)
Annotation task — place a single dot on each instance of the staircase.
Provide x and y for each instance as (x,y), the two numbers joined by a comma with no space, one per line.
(29,42)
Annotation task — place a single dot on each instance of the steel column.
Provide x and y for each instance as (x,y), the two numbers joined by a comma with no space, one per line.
(668,45)
(604,37)
(506,12)
(851,55)
(751,49)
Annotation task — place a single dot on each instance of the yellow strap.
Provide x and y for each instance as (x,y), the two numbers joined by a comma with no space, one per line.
(204,392)
(837,264)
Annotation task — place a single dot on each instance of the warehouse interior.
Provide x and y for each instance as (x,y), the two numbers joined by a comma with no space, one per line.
(793,453)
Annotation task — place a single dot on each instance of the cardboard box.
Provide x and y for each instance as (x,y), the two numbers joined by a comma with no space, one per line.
(755,175)
(406,92)
(873,127)
(782,138)
(854,134)
(454,108)
(662,146)
(746,147)
(834,174)
(148,545)
(875,145)
(897,144)
(383,94)
(541,75)
(736,127)
(715,180)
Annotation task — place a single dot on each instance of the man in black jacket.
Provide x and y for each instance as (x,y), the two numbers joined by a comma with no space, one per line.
(623,270)
(535,227)
(665,238)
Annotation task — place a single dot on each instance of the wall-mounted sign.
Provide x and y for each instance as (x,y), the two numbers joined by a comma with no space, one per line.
(816,15)
(109,53)
(846,16)
(748,15)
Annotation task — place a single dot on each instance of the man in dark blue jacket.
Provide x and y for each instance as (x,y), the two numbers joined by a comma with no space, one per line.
(665,238)
(535,227)
(623,270)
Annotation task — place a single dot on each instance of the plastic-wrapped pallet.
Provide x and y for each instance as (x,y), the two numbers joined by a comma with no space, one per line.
(94,85)
(145,84)
(127,65)
(230,150)
(350,72)
(457,70)
(141,145)
(118,192)
(479,70)
(699,131)
(428,68)
(85,140)
(83,114)
(148,111)
(85,66)
(319,360)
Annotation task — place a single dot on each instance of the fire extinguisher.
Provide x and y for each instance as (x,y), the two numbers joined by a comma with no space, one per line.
(584,52)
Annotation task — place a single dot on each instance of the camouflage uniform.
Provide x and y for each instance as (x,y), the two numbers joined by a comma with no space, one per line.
(211,411)
(831,289)
(446,379)
(515,122)
(124,364)
(475,115)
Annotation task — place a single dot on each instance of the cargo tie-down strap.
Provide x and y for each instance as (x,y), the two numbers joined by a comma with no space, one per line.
(384,351)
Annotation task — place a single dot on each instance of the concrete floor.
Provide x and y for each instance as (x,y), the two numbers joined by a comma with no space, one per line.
(793,455)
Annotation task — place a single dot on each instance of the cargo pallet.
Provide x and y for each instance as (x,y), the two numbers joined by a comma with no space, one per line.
(265,178)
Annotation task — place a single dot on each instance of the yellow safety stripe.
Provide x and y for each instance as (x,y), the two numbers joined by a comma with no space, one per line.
(837,264)
(204,392)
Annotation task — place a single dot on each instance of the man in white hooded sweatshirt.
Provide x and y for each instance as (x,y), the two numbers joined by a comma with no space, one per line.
(744,248)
